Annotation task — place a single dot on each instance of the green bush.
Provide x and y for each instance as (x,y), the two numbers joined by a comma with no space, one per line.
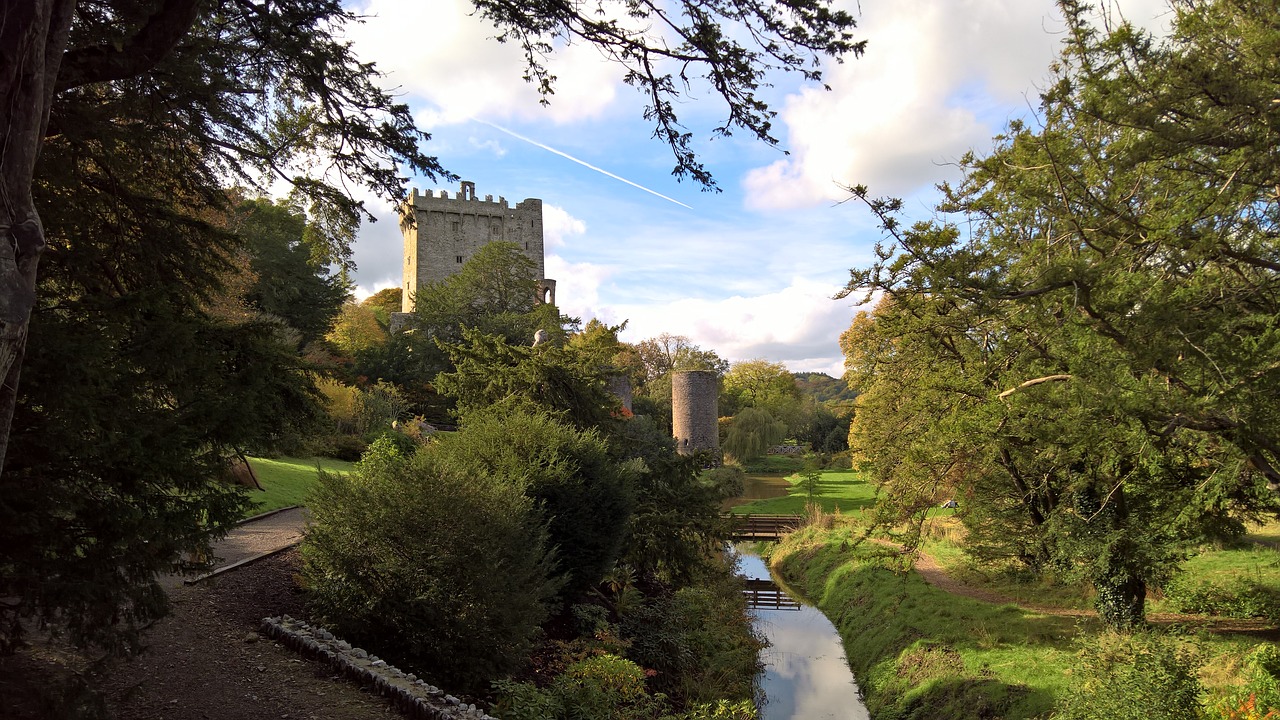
(446,572)
(729,480)
(1240,597)
(1134,677)
(603,687)
(698,642)
(586,497)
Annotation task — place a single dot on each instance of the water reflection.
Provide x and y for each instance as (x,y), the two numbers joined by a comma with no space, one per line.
(806,676)
(760,487)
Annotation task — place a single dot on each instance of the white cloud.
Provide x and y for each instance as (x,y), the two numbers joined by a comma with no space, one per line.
(558,225)
(493,146)
(797,325)
(445,54)
(379,248)
(578,287)
(937,80)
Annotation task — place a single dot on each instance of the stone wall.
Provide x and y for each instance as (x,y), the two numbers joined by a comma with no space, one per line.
(413,696)
(447,231)
(695,411)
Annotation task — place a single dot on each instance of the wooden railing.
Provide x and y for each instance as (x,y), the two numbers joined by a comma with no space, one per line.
(749,528)
(766,595)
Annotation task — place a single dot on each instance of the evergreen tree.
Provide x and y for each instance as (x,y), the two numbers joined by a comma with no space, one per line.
(1087,351)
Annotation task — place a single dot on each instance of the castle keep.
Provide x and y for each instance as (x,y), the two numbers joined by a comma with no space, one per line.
(441,233)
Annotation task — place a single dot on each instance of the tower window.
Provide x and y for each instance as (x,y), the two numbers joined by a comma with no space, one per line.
(459,259)
(455,224)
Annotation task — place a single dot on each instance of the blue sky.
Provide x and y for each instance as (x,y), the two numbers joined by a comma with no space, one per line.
(748,272)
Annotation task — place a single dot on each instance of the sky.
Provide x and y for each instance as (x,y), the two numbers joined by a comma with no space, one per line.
(749,272)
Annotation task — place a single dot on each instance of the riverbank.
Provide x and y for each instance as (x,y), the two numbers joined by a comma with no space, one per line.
(918,651)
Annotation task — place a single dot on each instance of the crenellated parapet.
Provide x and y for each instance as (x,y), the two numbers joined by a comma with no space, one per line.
(441,233)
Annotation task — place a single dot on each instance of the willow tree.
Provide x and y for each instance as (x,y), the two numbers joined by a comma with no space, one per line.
(1084,344)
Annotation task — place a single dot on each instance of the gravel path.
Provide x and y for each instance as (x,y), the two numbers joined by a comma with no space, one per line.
(254,538)
(206,659)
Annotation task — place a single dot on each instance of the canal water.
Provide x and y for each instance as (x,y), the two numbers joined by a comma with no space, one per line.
(806,676)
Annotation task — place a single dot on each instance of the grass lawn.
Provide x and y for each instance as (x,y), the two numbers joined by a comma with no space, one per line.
(774,465)
(847,490)
(286,481)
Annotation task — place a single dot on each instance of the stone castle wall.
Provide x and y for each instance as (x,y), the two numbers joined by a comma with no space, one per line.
(695,411)
(447,231)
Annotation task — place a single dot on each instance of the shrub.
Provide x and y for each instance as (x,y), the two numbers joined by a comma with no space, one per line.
(445,571)
(698,642)
(728,480)
(1240,597)
(585,496)
(1259,697)
(1138,677)
(603,687)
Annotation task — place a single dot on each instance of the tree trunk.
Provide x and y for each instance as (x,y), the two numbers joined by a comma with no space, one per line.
(33,36)
(34,64)
(1122,594)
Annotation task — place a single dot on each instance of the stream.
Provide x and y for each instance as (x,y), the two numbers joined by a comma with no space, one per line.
(805,676)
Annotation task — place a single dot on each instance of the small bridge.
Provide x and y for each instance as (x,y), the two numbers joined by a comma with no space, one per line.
(753,528)
(766,595)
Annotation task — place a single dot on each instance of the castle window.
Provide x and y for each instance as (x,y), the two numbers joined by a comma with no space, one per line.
(459,259)
(455,225)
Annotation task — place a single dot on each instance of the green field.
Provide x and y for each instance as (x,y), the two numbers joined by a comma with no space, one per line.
(846,490)
(286,481)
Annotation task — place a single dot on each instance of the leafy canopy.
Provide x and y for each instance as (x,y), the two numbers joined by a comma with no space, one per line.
(1083,346)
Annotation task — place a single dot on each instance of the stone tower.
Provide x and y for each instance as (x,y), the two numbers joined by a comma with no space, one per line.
(446,232)
(695,412)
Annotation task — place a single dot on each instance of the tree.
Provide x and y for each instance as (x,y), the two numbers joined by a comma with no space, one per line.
(1092,363)
(495,292)
(256,87)
(546,379)
(140,383)
(762,384)
(356,330)
(751,434)
(288,286)
(384,302)
(666,353)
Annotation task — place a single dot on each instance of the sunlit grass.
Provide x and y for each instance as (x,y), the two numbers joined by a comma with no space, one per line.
(846,490)
(911,643)
(286,481)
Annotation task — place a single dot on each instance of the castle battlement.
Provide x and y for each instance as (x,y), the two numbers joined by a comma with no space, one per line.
(441,233)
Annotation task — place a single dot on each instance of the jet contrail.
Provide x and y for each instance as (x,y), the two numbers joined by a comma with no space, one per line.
(585,164)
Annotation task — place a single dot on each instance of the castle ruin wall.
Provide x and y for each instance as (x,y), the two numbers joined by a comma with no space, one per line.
(441,233)
(695,411)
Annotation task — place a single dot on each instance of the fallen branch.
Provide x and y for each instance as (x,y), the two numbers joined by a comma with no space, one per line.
(1030,383)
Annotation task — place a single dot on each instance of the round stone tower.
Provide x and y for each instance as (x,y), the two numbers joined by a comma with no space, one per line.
(695,411)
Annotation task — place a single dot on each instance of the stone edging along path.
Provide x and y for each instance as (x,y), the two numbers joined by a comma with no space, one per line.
(411,695)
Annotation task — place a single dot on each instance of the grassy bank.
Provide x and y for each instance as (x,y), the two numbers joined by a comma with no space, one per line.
(920,652)
(286,481)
